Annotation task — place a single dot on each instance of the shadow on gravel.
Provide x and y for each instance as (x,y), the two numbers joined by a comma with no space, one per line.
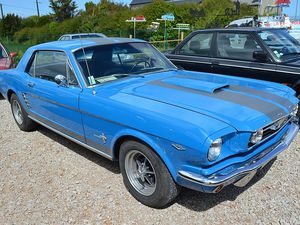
(99,160)
(193,200)
(198,201)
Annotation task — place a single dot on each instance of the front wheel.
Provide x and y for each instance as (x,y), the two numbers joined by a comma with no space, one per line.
(145,175)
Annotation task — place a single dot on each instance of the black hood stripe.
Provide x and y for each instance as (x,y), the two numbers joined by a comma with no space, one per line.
(280,100)
(269,109)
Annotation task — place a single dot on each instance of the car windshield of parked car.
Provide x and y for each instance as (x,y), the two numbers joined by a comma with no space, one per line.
(284,46)
(104,63)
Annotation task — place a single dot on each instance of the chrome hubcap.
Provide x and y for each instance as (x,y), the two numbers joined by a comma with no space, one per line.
(17,111)
(140,172)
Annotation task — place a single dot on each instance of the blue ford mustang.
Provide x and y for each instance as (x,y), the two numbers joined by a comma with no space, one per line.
(122,99)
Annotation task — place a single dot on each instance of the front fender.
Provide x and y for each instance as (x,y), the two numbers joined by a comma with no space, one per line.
(150,140)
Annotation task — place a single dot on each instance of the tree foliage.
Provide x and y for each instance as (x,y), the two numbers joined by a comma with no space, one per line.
(10,24)
(109,18)
(63,9)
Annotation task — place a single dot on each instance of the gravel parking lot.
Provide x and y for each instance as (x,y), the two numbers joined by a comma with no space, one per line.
(46,179)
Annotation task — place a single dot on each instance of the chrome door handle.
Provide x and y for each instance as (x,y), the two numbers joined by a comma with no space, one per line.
(30,84)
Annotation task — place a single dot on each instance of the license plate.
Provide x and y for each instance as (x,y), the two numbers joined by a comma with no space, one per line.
(245,180)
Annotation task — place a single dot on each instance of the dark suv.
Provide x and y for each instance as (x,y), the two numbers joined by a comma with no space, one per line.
(260,53)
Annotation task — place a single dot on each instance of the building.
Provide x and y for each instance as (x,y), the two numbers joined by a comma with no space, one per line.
(266,7)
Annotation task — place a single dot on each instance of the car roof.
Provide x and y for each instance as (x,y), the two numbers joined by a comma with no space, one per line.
(238,29)
(80,43)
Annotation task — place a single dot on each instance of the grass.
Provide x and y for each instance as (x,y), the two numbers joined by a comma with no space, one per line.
(15,47)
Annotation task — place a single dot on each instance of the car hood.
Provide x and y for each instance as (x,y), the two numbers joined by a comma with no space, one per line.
(244,104)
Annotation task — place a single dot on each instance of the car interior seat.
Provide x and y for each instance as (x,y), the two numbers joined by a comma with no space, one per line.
(224,46)
(195,46)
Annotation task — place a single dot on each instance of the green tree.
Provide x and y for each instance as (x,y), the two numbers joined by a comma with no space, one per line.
(11,24)
(63,9)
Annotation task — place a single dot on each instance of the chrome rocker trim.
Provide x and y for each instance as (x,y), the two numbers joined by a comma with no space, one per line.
(245,169)
(72,139)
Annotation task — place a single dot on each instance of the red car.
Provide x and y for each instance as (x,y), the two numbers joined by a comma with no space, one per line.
(6,59)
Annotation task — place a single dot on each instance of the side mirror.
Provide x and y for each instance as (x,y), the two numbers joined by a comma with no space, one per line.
(61,80)
(260,56)
(13,54)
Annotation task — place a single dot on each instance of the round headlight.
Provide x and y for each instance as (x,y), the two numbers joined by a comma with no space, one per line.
(214,150)
(294,110)
(257,136)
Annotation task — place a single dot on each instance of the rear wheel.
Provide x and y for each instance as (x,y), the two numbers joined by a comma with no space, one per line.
(20,115)
(146,176)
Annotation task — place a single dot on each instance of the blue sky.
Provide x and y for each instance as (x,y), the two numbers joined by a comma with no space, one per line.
(28,7)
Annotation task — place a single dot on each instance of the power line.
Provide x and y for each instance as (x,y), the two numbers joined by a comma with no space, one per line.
(19,7)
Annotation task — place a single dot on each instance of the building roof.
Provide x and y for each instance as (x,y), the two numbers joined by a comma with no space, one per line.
(140,2)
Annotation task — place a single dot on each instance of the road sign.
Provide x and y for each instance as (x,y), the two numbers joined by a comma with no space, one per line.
(168,17)
(134,20)
(182,26)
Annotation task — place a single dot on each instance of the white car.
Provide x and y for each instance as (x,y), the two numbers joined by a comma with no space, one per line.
(67,37)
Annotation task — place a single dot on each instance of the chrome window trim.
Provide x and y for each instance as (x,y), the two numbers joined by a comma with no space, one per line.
(68,62)
(96,85)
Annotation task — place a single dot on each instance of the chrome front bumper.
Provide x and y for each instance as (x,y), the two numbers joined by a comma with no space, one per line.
(210,183)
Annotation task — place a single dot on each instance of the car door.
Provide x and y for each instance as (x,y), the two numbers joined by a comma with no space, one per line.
(194,53)
(52,104)
(233,55)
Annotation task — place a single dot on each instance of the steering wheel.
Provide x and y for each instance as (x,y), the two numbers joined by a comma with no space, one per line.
(139,62)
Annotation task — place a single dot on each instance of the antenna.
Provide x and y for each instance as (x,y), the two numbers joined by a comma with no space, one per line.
(87,67)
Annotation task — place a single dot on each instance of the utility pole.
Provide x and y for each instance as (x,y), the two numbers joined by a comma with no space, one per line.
(296,13)
(1,11)
(37,7)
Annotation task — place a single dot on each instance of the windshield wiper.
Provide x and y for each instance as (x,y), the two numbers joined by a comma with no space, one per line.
(121,75)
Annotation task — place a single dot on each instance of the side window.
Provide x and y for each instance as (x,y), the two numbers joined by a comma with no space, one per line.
(48,64)
(236,46)
(198,45)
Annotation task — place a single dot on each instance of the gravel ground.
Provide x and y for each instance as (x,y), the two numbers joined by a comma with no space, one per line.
(46,179)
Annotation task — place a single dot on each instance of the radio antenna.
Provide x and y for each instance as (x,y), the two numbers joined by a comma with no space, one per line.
(90,79)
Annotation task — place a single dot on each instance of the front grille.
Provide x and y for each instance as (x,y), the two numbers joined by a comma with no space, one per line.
(275,127)
(272,129)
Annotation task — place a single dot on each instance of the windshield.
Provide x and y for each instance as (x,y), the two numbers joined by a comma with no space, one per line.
(284,46)
(103,63)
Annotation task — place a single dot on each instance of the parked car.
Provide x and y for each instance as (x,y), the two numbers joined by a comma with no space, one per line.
(67,37)
(6,58)
(124,100)
(260,53)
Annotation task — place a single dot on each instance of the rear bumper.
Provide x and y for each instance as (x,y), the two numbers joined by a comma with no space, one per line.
(214,183)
